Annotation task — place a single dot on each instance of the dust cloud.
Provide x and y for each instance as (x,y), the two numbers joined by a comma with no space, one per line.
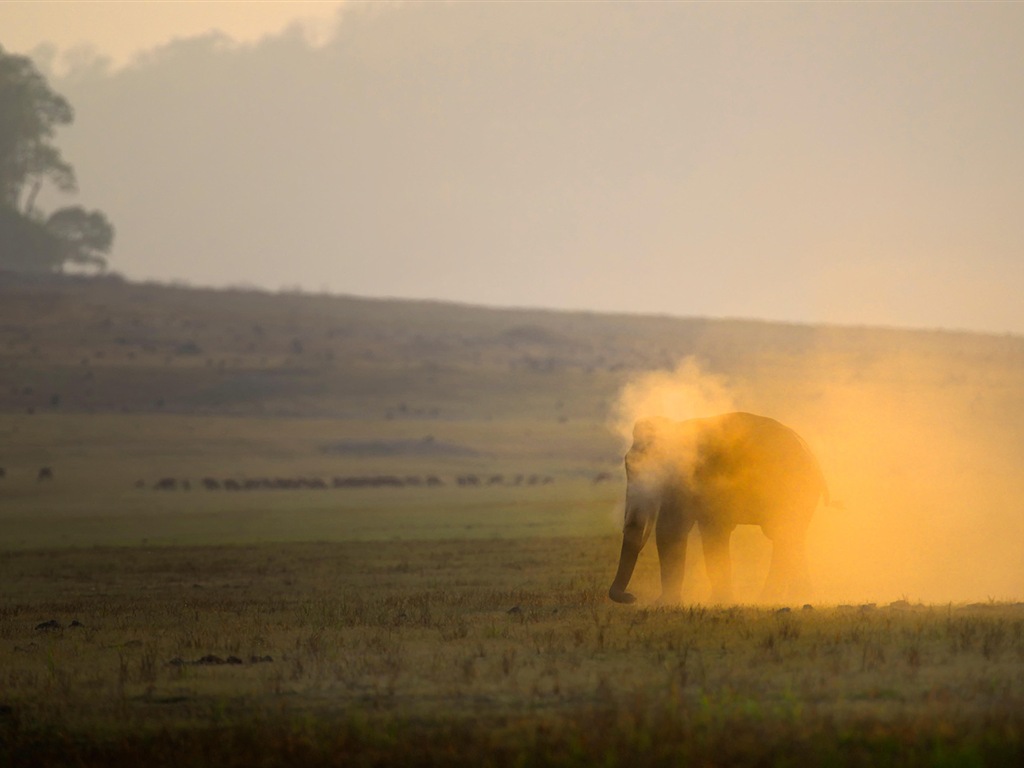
(921,456)
(684,393)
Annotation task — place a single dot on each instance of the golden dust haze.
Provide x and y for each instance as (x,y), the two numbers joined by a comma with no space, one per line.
(925,483)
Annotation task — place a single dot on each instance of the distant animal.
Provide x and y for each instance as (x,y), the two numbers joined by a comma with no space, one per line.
(165,484)
(211,484)
(3,473)
(45,473)
(718,472)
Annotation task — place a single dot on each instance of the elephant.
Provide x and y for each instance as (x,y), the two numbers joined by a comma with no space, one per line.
(718,472)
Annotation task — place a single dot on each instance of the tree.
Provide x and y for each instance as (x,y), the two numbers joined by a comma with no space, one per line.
(30,112)
(84,235)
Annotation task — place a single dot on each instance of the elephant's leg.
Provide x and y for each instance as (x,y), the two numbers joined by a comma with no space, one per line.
(715,539)
(800,585)
(671,534)
(634,535)
(788,575)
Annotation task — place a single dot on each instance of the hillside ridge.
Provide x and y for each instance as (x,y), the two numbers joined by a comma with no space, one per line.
(105,344)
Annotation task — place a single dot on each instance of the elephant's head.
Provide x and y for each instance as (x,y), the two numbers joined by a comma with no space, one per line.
(647,467)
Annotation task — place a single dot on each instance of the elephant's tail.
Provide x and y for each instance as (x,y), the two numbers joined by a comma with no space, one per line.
(826,497)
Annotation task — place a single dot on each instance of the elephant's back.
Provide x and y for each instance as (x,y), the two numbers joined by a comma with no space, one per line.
(743,423)
(748,433)
(739,435)
(748,460)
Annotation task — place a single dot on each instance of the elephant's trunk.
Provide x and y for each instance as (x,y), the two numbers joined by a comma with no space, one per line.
(634,536)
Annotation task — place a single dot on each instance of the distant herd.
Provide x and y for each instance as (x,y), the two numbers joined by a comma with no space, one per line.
(44,474)
(358,481)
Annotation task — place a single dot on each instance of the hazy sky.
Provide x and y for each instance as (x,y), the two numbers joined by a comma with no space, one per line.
(851,163)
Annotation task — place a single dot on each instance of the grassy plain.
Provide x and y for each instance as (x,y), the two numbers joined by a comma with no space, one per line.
(469,625)
(473,652)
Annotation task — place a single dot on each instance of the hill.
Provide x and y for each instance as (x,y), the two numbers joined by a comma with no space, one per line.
(103,345)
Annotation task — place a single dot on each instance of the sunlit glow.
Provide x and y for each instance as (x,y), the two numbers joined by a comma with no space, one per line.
(923,476)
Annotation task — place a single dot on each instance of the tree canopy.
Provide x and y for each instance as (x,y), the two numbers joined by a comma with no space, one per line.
(30,113)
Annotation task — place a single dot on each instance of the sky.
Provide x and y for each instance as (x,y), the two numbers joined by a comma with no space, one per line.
(851,163)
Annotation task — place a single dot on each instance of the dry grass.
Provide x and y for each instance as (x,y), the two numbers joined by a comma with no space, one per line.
(473,652)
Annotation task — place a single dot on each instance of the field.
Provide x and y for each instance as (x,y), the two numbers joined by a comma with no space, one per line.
(282,613)
(471,652)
